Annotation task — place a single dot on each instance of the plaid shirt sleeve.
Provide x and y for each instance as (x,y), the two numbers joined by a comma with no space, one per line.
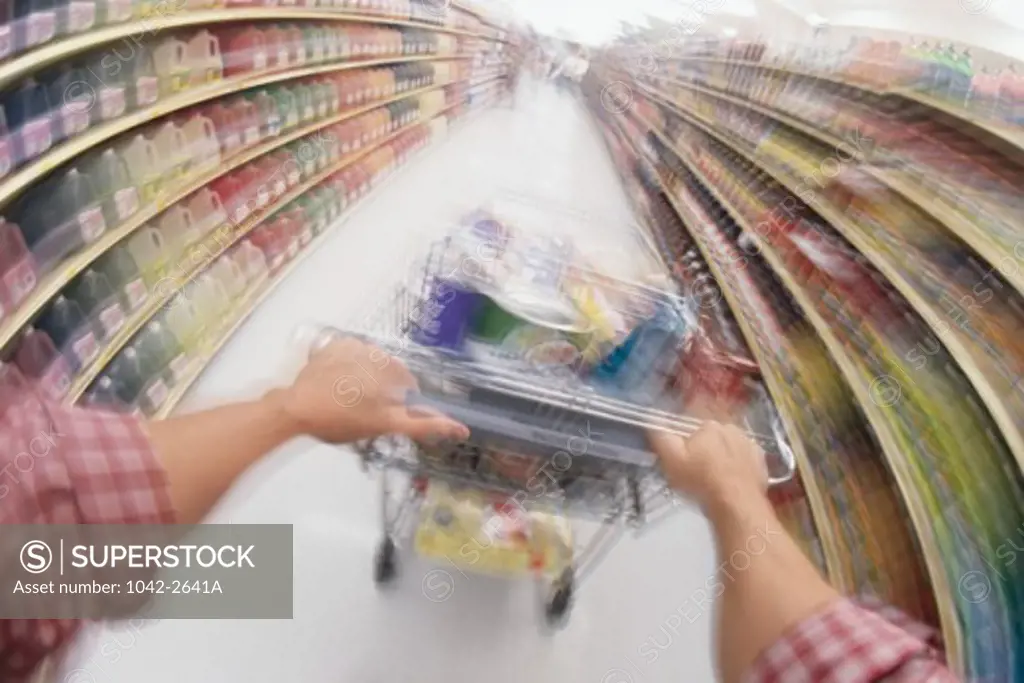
(63,465)
(855,642)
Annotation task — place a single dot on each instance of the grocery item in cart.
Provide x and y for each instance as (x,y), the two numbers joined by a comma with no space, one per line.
(524,322)
(445,318)
(491,534)
(645,362)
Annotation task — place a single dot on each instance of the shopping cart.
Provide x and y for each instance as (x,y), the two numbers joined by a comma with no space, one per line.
(555,434)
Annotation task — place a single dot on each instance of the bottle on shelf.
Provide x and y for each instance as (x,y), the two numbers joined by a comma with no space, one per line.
(304,102)
(179,233)
(287,106)
(202,54)
(170,61)
(252,263)
(206,208)
(274,177)
(145,168)
(121,271)
(135,387)
(99,301)
(272,243)
(43,365)
(226,271)
(141,76)
(75,16)
(315,42)
(961,75)
(171,147)
(212,301)
(114,187)
(106,89)
(6,28)
(18,277)
(243,50)
(267,117)
(71,99)
(202,144)
(35,23)
(182,318)
(150,254)
(113,11)
(6,145)
(30,120)
(58,217)
(255,183)
(106,394)
(226,118)
(161,354)
(66,324)
(276,41)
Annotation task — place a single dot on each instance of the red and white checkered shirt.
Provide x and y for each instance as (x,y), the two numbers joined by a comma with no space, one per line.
(72,466)
(850,642)
(61,465)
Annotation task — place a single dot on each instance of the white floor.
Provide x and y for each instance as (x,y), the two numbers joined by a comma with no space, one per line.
(635,618)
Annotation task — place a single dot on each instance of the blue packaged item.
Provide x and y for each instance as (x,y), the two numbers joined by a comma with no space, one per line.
(640,366)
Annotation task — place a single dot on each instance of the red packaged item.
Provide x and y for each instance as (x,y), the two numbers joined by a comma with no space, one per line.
(287,231)
(269,168)
(243,51)
(301,224)
(297,53)
(268,239)
(278,52)
(256,183)
(250,121)
(231,189)
(18,275)
(227,121)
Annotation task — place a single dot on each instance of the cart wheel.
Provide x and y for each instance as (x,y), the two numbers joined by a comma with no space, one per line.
(385,565)
(557,609)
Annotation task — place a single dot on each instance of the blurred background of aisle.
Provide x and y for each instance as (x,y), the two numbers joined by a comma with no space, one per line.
(628,623)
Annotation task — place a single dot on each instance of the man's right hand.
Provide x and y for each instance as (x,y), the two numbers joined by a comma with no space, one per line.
(717,466)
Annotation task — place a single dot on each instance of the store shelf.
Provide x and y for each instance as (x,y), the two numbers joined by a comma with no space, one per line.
(859,381)
(977,369)
(960,226)
(63,153)
(775,384)
(1013,138)
(998,135)
(253,301)
(214,249)
(24,64)
(479,14)
(645,230)
(68,270)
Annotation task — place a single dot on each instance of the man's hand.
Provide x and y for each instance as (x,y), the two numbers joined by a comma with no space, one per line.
(716,466)
(350,391)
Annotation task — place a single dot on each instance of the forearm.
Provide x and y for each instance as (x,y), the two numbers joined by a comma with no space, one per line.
(204,453)
(770,586)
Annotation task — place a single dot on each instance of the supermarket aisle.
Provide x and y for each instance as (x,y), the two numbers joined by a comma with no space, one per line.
(637,616)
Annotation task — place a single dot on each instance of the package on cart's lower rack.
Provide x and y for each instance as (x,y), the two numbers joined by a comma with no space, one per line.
(480,531)
(559,372)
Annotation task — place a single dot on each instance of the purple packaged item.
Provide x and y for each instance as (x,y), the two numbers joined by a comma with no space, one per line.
(444,320)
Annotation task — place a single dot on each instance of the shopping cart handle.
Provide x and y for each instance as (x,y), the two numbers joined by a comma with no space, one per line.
(785,453)
(500,421)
